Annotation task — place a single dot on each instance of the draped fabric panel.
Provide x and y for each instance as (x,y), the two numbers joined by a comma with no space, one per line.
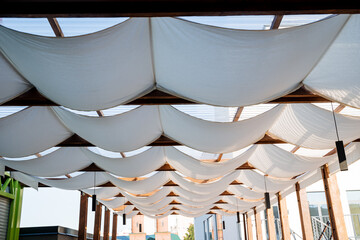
(336,76)
(215,137)
(11,82)
(134,166)
(194,168)
(143,186)
(183,50)
(309,126)
(30,131)
(90,72)
(84,180)
(124,132)
(60,162)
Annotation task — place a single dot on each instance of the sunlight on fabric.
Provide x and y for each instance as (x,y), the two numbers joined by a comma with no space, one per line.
(81,26)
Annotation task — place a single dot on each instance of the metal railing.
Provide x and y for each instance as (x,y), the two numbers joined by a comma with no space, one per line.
(321,228)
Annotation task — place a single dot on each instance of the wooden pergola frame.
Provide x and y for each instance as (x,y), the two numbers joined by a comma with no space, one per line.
(99,8)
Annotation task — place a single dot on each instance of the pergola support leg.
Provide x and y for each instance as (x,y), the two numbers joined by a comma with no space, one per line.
(258,225)
(270,224)
(97,224)
(83,216)
(114,227)
(249,227)
(304,211)
(336,213)
(106,224)
(284,218)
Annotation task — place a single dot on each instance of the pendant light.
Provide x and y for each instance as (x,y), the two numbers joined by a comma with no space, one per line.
(94,195)
(339,146)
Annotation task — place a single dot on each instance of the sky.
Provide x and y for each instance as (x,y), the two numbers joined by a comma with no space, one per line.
(50,206)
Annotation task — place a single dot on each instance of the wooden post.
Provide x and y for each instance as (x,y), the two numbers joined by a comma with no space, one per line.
(83,216)
(249,227)
(284,218)
(258,225)
(305,219)
(114,227)
(106,224)
(271,223)
(97,224)
(244,223)
(219,227)
(336,214)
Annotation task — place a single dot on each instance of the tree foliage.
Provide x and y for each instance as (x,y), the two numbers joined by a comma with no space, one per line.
(190,233)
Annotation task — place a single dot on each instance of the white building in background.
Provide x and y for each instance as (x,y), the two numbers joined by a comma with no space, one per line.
(349,186)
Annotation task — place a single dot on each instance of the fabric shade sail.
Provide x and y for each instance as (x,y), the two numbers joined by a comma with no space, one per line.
(101,70)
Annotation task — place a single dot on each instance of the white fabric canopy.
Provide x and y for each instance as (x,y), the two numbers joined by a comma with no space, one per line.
(336,76)
(57,163)
(276,162)
(256,181)
(101,70)
(183,50)
(215,137)
(143,186)
(90,72)
(30,131)
(194,168)
(134,166)
(143,125)
(82,181)
(124,132)
(309,126)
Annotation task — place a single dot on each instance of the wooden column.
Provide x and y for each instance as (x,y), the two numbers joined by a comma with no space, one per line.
(83,216)
(258,225)
(97,224)
(304,211)
(106,224)
(271,223)
(114,226)
(249,227)
(245,230)
(219,224)
(336,214)
(284,219)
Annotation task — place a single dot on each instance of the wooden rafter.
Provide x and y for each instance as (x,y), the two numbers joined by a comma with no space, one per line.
(156,97)
(55,27)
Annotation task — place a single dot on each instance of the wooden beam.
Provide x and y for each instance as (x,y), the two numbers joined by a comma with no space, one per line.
(333,201)
(245,227)
(270,223)
(276,22)
(83,216)
(219,226)
(97,224)
(114,226)
(106,224)
(304,211)
(284,218)
(249,229)
(156,97)
(162,8)
(76,141)
(55,27)
(258,224)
